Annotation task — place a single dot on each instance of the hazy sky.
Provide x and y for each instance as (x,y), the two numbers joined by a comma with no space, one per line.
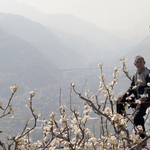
(108,14)
(129,19)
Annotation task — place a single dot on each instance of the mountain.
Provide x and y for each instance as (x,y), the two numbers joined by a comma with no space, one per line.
(41,38)
(71,24)
(23,64)
(81,45)
(96,43)
(142,48)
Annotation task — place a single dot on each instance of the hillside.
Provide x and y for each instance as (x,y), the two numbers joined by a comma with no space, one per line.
(41,38)
(143,49)
(101,45)
(23,64)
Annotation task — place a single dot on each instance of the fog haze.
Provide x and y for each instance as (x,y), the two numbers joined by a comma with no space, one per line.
(124,18)
(90,30)
(48,44)
(78,33)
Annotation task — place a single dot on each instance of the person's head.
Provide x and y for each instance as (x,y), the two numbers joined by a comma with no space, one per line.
(139,62)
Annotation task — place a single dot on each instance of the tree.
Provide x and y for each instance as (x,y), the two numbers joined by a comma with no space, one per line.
(70,132)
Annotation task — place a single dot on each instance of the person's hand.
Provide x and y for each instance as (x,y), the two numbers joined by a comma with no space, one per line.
(139,101)
(142,100)
(120,98)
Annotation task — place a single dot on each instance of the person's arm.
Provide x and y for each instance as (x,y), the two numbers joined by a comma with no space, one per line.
(148,91)
(130,89)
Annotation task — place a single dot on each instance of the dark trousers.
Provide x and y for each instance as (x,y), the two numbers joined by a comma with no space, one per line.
(120,105)
(139,114)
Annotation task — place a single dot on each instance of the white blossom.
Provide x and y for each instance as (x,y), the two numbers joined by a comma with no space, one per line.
(112,140)
(39,115)
(135,138)
(116,69)
(102,76)
(118,119)
(100,65)
(107,111)
(72,84)
(144,95)
(122,134)
(86,118)
(86,106)
(87,93)
(138,101)
(86,111)
(128,98)
(32,93)
(14,88)
(55,142)
(77,130)
(148,110)
(62,107)
(140,128)
(12,117)
(134,87)
(75,121)
(115,81)
(93,140)
(139,80)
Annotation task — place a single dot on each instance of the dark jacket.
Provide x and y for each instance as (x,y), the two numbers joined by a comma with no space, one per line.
(140,79)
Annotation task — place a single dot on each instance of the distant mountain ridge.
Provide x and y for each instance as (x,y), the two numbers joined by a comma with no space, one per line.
(143,49)
(63,39)
(103,45)
(41,38)
(23,64)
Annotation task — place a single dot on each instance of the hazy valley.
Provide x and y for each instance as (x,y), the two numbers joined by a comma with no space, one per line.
(43,52)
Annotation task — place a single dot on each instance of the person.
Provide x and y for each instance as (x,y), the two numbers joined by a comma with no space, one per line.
(138,88)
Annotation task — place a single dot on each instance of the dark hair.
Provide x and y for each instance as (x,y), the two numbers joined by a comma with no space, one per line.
(139,57)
